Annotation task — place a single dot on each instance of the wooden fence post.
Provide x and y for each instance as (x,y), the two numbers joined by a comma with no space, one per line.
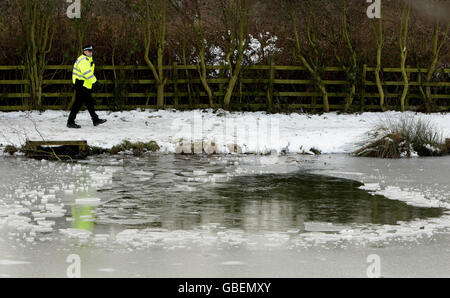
(363,88)
(175,83)
(221,77)
(240,87)
(271,80)
(26,101)
(123,93)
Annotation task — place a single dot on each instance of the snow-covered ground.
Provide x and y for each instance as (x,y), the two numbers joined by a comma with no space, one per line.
(257,132)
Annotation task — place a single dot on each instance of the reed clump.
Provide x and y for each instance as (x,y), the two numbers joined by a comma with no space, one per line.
(406,136)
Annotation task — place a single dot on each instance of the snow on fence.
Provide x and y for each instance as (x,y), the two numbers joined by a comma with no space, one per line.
(260,87)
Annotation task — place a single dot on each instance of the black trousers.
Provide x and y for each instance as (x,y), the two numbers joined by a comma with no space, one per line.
(82,95)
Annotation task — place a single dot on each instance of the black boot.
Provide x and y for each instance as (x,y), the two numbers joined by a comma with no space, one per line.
(99,121)
(73,125)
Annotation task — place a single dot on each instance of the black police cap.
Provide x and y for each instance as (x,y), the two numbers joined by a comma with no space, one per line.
(88,48)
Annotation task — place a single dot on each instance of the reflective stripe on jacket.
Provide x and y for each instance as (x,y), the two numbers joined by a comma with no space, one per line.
(83,69)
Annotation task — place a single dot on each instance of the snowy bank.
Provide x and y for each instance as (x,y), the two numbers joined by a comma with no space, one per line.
(256,132)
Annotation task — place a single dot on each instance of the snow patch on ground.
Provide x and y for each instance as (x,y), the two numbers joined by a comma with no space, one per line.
(256,132)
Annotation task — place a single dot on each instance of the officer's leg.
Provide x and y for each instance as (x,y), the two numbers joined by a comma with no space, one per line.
(77,104)
(90,105)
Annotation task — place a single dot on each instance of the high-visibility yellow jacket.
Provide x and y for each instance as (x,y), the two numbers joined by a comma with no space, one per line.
(83,69)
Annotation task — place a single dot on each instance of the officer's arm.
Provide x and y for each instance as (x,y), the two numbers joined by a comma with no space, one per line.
(85,67)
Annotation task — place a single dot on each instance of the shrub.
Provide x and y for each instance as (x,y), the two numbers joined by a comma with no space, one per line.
(93,150)
(406,136)
(137,148)
(10,149)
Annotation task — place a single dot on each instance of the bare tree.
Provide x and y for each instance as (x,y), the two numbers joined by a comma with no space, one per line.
(403,44)
(155,32)
(194,18)
(311,62)
(351,69)
(377,26)
(441,30)
(235,17)
(35,24)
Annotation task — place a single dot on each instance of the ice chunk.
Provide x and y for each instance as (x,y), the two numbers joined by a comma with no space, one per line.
(88,201)
(200,173)
(12,262)
(370,186)
(75,233)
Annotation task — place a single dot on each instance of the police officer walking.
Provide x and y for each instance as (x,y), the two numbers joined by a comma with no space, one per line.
(85,81)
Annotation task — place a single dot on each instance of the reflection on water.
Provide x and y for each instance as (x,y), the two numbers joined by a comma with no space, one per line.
(180,195)
(111,194)
(284,199)
(83,217)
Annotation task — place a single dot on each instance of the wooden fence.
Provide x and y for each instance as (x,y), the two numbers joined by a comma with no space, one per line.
(259,88)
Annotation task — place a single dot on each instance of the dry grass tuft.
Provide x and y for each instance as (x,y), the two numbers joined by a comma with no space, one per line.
(406,136)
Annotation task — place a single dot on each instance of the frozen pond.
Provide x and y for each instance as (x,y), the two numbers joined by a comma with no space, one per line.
(222,216)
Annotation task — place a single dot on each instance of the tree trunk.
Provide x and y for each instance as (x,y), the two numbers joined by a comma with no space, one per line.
(405,86)
(326,106)
(349,101)
(378,79)
(207,89)
(203,77)
(160,95)
(403,43)
(231,85)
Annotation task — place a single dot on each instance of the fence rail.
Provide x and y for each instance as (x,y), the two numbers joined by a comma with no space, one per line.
(287,86)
